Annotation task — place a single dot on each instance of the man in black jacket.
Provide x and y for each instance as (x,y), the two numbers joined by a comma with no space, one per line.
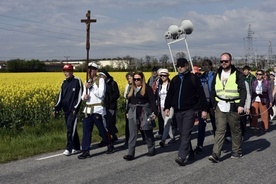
(186,96)
(69,100)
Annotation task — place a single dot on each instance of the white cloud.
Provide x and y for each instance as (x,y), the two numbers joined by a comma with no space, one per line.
(52,29)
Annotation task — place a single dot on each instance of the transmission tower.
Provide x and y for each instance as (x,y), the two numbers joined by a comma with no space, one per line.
(249,50)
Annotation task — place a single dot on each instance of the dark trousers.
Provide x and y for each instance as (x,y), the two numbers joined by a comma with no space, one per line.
(185,123)
(243,120)
(111,123)
(160,124)
(88,124)
(133,131)
(73,141)
(202,128)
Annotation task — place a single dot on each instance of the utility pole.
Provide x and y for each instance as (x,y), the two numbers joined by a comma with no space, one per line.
(87,22)
(67,57)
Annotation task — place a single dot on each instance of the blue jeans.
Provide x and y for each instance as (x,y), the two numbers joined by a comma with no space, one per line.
(88,124)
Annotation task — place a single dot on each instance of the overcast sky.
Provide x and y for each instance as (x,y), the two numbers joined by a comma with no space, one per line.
(52,29)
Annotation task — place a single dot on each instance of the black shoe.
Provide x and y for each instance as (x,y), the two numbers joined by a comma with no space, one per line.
(110,149)
(102,144)
(162,144)
(128,157)
(180,161)
(84,155)
(151,153)
(198,150)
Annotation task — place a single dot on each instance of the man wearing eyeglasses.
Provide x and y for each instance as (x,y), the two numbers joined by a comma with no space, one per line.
(186,96)
(228,94)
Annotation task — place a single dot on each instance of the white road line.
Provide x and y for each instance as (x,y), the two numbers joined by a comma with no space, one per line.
(43,158)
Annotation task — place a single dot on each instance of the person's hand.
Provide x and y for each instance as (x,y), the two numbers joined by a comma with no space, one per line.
(167,112)
(86,97)
(247,111)
(270,104)
(204,115)
(88,84)
(240,110)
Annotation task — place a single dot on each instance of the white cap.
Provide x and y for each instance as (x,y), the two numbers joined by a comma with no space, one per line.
(92,65)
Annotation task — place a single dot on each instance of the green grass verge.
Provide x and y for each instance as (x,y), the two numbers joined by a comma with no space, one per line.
(42,138)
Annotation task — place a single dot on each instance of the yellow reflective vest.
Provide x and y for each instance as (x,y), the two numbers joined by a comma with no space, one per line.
(228,92)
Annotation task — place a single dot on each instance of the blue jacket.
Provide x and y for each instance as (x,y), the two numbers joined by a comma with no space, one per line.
(69,98)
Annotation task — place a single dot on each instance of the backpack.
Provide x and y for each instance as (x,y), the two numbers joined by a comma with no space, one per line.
(114,92)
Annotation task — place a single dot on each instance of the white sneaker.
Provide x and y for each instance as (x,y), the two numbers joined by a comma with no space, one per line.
(66,152)
(75,151)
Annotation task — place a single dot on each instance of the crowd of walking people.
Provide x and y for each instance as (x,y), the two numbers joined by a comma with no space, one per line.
(231,99)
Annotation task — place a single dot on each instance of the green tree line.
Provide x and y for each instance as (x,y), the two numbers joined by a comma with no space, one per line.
(18,65)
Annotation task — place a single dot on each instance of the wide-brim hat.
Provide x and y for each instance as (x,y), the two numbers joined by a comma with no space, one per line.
(163,71)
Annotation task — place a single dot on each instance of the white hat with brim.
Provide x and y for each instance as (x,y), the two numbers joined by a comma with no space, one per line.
(92,65)
(163,71)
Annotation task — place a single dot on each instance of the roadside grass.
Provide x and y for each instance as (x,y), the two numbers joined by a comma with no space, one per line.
(42,138)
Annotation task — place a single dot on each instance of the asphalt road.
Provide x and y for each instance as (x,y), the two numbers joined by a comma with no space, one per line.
(258,165)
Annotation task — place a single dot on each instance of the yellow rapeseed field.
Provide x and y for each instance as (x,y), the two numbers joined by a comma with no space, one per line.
(28,98)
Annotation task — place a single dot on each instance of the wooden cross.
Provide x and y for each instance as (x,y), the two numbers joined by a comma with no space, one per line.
(87,22)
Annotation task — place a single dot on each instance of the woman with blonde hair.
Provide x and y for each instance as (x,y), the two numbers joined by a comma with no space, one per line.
(141,113)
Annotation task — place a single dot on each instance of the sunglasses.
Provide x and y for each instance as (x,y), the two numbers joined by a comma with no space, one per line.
(137,79)
(163,75)
(224,61)
(259,74)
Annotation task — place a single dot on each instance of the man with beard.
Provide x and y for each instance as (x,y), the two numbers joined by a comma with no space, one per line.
(228,94)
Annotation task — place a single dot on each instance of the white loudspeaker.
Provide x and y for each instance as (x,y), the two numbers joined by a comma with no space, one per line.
(167,35)
(173,29)
(186,26)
